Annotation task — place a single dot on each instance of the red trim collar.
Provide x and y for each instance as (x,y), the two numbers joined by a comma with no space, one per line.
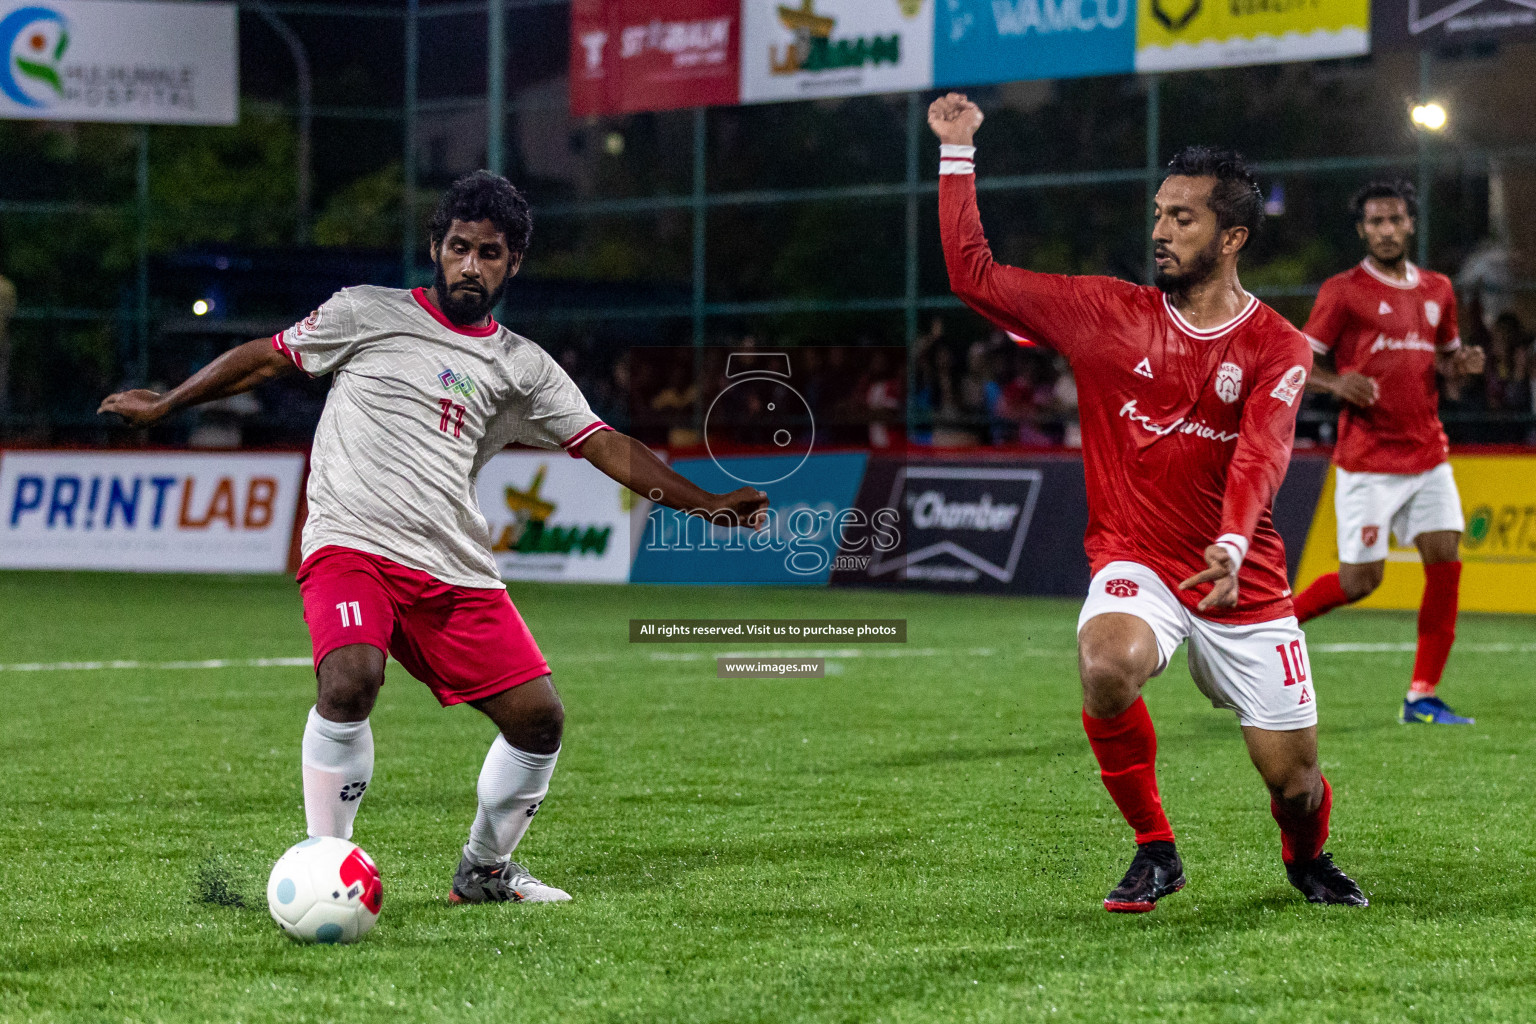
(420,295)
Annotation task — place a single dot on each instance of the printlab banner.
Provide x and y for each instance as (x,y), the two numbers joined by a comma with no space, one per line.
(1010,40)
(148,512)
(119,60)
(1436,23)
(1176,35)
(634,55)
(556,518)
(816,48)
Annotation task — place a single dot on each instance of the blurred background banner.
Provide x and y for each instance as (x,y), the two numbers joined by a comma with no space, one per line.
(115,60)
(1436,23)
(1173,35)
(815,48)
(1003,40)
(1498,549)
(148,511)
(556,518)
(653,54)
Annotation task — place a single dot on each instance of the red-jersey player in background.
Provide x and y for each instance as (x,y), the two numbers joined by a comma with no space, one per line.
(1390,328)
(1188,395)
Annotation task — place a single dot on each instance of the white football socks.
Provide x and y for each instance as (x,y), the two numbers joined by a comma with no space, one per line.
(512,784)
(338,764)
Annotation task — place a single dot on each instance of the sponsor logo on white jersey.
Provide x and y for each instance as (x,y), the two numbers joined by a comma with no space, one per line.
(1432,312)
(1289,388)
(1412,343)
(1182,425)
(1144,368)
(1229,382)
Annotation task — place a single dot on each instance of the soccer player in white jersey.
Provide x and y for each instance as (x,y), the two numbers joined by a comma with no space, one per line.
(397,558)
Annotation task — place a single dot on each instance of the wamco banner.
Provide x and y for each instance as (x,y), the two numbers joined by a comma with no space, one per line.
(1008,40)
(1174,35)
(556,518)
(116,60)
(653,54)
(148,511)
(807,49)
(1498,549)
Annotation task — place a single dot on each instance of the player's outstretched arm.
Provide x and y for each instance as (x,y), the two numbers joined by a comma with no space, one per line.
(637,467)
(238,370)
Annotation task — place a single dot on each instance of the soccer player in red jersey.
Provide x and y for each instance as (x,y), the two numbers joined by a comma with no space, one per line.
(1390,328)
(1188,395)
(426,388)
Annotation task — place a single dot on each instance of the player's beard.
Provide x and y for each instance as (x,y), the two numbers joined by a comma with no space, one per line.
(1389,253)
(465,307)
(1201,268)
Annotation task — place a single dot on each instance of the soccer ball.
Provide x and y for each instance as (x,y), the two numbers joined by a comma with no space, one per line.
(325,890)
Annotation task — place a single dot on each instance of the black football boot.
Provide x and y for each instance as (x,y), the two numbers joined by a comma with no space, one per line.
(1155,872)
(1320,881)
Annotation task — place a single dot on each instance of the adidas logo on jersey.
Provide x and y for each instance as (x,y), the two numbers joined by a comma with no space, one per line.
(1384,309)
(1145,368)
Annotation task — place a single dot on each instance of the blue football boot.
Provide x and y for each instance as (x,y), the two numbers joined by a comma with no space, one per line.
(1430,711)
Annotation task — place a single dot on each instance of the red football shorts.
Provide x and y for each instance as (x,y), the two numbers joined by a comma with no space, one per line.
(463,642)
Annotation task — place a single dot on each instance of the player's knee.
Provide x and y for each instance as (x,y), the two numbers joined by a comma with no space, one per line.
(539,724)
(348,682)
(1359,581)
(1300,790)
(1112,676)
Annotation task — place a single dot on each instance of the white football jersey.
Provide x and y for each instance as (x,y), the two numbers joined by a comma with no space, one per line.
(416,408)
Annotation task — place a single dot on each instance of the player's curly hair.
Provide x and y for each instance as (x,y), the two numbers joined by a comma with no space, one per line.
(485,196)
(1236,198)
(1381,189)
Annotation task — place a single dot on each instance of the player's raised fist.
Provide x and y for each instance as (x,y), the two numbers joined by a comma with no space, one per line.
(954,119)
(140,407)
(746,505)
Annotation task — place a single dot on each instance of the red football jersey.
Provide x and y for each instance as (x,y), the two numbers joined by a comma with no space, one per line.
(1187,433)
(1389,330)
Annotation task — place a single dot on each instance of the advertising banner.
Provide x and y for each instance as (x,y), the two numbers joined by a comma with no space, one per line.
(1175,35)
(555,518)
(812,507)
(808,49)
(148,511)
(1498,553)
(978,41)
(119,60)
(1437,23)
(631,55)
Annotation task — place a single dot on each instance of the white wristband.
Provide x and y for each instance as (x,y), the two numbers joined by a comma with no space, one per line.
(1236,546)
(957,159)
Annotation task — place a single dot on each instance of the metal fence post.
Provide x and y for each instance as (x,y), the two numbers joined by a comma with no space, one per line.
(408,168)
(141,256)
(700,251)
(1154,163)
(909,297)
(496,88)
(1426,173)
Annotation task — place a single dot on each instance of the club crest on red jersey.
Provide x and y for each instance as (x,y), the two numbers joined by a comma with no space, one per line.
(1122,588)
(1432,312)
(1229,382)
(1369,535)
(1290,386)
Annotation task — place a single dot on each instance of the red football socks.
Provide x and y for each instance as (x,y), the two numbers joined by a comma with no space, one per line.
(1126,747)
(1302,835)
(1324,595)
(1437,624)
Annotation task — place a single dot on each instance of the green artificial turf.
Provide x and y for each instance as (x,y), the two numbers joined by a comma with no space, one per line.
(915,838)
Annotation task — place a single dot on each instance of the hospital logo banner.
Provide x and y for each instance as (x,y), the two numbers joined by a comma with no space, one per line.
(808,49)
(115,60)
(1175,35)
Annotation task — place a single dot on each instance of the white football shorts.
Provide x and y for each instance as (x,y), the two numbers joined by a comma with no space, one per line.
(1261,671)
(1368,504)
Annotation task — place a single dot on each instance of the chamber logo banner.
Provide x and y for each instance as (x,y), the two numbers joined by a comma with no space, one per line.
(119,60)
(805,49)
(1174,35)
(1008,40)
(1401,23)
(148,512)
(638,55)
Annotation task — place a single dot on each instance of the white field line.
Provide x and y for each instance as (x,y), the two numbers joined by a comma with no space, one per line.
(831,653)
